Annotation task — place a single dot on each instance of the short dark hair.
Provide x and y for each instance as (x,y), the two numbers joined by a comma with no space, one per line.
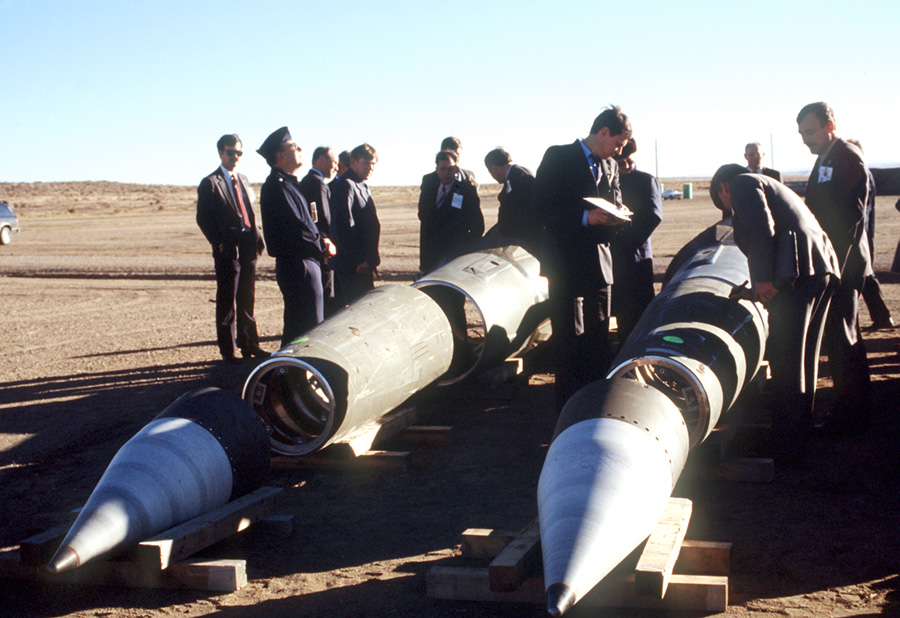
(344,158)
(229,139)
(628,149)
(446,155)
(451,143)
(321,151)
(498,157)
(724,175)
(821,109)
(614,119)
(364,151)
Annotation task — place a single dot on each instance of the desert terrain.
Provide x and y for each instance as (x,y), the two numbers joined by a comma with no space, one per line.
(106,301)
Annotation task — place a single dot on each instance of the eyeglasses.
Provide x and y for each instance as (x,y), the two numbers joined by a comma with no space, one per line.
(290,146)
(234,153)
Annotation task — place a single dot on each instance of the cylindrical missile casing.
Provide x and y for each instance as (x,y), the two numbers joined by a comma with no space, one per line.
(694,343)
(351,369)
(619,448)
(509,301)
(204,450)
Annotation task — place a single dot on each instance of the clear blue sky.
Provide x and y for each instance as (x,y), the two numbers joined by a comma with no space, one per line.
(140,91)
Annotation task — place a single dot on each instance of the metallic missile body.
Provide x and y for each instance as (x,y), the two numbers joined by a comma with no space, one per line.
(204,450)
(621,443)
(508,304)
(351,369)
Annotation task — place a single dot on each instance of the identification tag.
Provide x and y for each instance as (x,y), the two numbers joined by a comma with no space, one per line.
(457,201)
(825,173)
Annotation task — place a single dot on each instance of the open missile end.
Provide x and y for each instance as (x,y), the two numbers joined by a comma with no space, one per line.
(65,560)
(560,599)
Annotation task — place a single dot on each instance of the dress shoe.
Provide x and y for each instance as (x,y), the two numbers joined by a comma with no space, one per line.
(232,360)
(885,324)
(844,425)
(254,351)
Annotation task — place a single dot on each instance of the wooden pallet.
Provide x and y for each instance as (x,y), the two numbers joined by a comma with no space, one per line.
(163,561)
(513,573)
(356,448)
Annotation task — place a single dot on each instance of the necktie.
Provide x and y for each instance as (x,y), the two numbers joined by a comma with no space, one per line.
(442,195)
(595,167)
(239,196)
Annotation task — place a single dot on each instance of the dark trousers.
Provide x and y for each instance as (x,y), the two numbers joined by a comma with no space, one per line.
(353,284)
(332,298)
(874,299)
(235,280)
(796,324)
(300,282)
(847,358)
(580,322)
(634,291)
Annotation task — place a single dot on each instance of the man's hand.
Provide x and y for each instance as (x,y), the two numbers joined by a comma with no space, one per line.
(765,291)
(598,216)
(330,249)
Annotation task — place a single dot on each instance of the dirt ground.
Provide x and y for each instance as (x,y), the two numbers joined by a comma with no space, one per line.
(107,317)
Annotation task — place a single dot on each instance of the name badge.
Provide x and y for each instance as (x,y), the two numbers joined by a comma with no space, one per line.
(314,212)
(825,173)
(457,201)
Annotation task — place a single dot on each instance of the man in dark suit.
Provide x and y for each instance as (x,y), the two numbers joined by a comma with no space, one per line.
(450,213)
(515,218)
(765,215)
(315,190)
(836,193)
(631,249)
(355,228)
(292,236)
(431,180)
(225,215)
(754,154)
(575,255)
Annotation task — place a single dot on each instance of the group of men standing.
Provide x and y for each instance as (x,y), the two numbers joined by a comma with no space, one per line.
(324,237)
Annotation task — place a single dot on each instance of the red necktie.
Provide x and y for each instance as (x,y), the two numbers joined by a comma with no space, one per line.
(239,196)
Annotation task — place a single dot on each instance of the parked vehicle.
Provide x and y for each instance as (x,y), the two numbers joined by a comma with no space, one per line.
(9,223)
(671,194)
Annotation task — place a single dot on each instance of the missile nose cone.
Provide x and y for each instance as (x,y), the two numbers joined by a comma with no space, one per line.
(65,560)
(560,599)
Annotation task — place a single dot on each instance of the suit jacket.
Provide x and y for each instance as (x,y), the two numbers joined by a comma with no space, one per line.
(640,193)
(764,209)
(445,226)
(573,252)
(287,223)
(431,180)
(768,171)
(355,229)
(316,191)
(836,193)
(515,218)
(219,215)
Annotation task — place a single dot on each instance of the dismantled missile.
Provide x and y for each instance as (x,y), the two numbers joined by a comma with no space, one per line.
(617,452)
(621,443)
(207,448)
(351,369)
(496,301)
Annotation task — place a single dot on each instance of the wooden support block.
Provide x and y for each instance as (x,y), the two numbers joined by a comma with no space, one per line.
(38,550)
(484,542)
(396,460)
(364,438)
(657,561)
(428,434)
(215,575)
(473,584)
(508,570)
(220,575)
(338,460)
(704,557)
(190,537)
(685,592)
(504,372)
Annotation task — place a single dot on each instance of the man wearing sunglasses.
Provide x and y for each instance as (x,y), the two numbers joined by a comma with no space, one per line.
(225,215)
